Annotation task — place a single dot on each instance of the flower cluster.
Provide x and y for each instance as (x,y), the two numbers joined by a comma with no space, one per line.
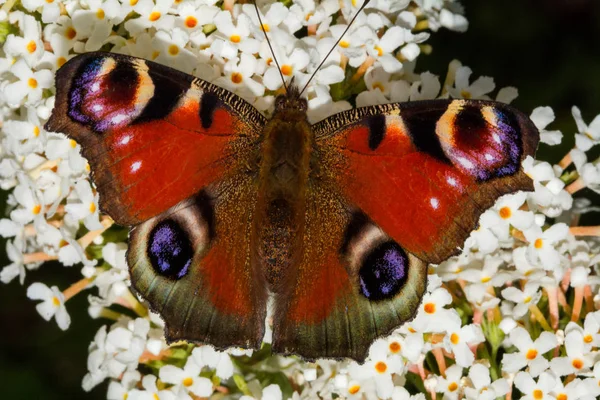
(514,313)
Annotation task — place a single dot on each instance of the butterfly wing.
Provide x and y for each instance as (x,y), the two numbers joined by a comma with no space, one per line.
(172,156)
(398,186)
(152,135)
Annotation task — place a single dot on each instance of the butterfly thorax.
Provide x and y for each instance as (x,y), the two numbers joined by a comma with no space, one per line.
(283,178)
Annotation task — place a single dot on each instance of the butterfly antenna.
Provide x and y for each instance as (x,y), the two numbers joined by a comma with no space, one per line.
(270,47)
(335,45)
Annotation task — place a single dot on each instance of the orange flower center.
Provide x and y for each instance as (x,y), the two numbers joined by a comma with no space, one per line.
(353,389)
(55,301)
(381,367)
(154,16)
(100,14)
(173,50)
(562,396)
(538,394)
(588,338)
(379,51)
(235,38)
(31,47)
(505,212)
(531,354)
(236,77)
(395,347)
(32,83)
(287,69)
(187,382)
(70,33)
(133,2)
(538,244)
(454,338)
(60,61)
(266,28)
(452,386)
(429,308)
(577,363)
(191,21)
(92,208)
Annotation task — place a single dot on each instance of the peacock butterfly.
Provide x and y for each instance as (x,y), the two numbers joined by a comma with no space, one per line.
(337,221)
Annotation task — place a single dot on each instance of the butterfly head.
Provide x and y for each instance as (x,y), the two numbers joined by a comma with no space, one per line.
(291,101)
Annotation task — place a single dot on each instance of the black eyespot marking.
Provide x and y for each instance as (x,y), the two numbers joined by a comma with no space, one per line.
(376,130)
(170,250)
(421,128)
(383,272)
(208,103)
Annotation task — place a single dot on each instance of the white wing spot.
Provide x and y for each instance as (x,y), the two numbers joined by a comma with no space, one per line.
(489,157)
(135,166)
(97,107)
(451,181)
(435,203)
(118,118)
(465,163)
(95,87)
(125,139)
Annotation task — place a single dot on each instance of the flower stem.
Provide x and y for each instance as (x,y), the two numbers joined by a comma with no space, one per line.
(362,69)
(40,256)
(441,361)
(552,293)
(76,288)
(562,300)
(575,186)
(585,230)
(86,239)
(577,303)
(540,318)
(589,298)
(566,161)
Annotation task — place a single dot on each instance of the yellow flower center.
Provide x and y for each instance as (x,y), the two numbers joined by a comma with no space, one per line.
(429,308)
(155,54)
(588,338)
(125,396)
(452,386)
(32,83)
(100,14)
(538,244)
(527,299)
(133,2)
(287,69)
(381,367)
(505,212)
(486,279)
(70,33)
(191,21)
(36,131)
(49,1)
(236,78)
(531,354)
(173,50)
(344,44)
(577,363)
(36,209)
(155,396)
(538,394)
(73,143)
(235,38)
(266,28)
(154,16)
(353,389)
(187,382)
(55,301)
(395,347)
(31,47)
(60,61)
(378,85)
(92,207)
(379,51)
(454,338)
(562,396)
(465,94)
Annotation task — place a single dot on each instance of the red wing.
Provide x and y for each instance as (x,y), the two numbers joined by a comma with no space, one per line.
(425,171)
(153,135)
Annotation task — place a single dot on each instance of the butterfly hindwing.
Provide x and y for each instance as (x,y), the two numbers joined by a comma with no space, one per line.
(152,135)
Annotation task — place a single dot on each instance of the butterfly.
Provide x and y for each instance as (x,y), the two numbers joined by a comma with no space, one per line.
(334,223)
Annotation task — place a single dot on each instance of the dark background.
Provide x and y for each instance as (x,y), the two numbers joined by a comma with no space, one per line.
(548,49)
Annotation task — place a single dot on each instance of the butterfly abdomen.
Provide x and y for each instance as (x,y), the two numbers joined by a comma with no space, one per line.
(283,177)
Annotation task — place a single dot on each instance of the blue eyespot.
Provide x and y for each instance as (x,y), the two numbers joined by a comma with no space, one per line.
(170,250)
(383,272)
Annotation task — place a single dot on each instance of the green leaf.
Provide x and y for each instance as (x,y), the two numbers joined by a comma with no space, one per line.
(241,384)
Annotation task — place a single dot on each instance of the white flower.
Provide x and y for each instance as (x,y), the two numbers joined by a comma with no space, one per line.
(120,390)
(450,385)
(50,9)
(52,305)
(541,117)
(87,209)
(477,90)
(590,332)
(151,15)
(522,298)
(432,316)
(458,339)
(483,387)
(535,391)
(578,359)
(505,213)
(291,64)
(30,84)
(219,361)
(170,47)
(14,251)
(238,76)
(530,353)
(151,391)
(29,47)
(589,135)
(29,202)
(542,244)
(187,379)
(232,38)
(382,49)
